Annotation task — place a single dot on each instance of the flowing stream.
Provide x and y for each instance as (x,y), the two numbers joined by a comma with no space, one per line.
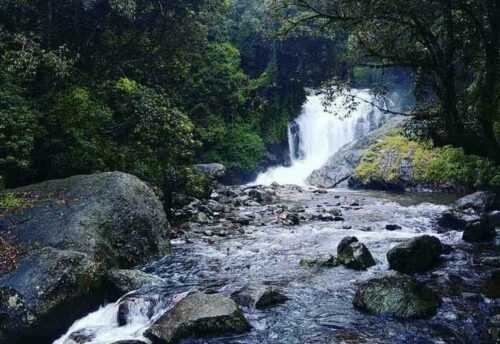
(319,309)
(318,133)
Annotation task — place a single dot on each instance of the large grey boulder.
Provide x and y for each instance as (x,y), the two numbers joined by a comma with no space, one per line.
(72,231)
(341,167)
(396,295)
(198,315)
(416,255)
(354,255)
(48,287)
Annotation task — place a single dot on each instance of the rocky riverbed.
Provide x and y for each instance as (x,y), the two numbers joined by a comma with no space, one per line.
(283,264)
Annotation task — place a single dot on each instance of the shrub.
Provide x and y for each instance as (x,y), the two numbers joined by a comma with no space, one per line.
(431,165)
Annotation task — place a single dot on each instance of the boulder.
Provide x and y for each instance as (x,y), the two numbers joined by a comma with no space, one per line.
(491,286)
(122,281)
(468,209)
(479,231)
(113,217)
(398,296)
(259,296)
(213,171)
(354,255)
(72,232)
(416,255)
(48,287)
(198,315)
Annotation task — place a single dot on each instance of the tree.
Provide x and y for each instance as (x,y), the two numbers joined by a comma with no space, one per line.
(433,38)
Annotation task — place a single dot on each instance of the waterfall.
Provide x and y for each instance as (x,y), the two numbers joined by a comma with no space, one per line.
(317,134)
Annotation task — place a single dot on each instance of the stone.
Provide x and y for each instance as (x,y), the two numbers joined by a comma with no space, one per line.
(322,262)
(354,255)
(75,230)
(198,315)
(468,209)
(135,304)
(48,287)
(393,227)
(259,296)
(479,231)
(396,295)
(213,170)
(491,286)
(122,281)
(416,255)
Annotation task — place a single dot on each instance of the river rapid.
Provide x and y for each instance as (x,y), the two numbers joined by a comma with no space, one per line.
(319,309)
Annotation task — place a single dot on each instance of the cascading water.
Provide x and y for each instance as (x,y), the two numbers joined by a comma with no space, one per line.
(317,134)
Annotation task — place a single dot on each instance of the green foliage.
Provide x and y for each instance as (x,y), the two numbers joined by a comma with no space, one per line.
(149,135)
(74,139)
(240,149)
(430,165)
(18,127)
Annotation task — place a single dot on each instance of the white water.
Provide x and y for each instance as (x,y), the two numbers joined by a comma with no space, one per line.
(321,134)
(102,325)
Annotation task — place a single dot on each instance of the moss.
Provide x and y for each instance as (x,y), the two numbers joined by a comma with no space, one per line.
(10,201)
(382,162)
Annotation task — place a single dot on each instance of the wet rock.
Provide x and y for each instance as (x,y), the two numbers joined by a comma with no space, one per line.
(259,296)
(289,219)
(416,255)
(393,227)
(322,262)
(135,304)
(466,210)
(478,231)
(494,217)
(198,315)
(491,286)
(80,337)
(479,202)
(121,281)
(74,231)
(48,287)
(491,261)
(354,255)
(396,295)
(214,171)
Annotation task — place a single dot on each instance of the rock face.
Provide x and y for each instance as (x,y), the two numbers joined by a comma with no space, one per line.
(416,255)
(396,295)
(259,296)
(466,210)
(354,255)
(199,315)
(340,168)
(73,231)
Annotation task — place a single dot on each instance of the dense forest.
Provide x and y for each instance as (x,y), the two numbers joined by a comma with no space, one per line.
(151,87)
